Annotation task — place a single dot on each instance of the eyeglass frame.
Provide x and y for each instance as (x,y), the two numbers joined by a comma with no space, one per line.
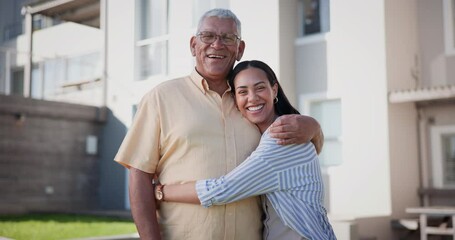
(218,36)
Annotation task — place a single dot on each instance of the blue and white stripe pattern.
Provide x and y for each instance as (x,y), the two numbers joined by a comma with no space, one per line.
(290,176)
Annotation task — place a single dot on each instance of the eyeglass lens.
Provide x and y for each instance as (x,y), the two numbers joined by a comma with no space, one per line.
(210,37)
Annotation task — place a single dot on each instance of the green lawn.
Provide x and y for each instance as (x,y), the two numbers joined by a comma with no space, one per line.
(62,226)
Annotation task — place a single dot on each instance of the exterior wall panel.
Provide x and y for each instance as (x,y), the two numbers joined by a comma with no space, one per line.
(43,161)
(311,68)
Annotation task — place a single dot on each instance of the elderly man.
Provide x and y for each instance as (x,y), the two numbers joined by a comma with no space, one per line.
(188,129)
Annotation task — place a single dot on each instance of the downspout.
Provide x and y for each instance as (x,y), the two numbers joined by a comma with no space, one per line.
(8,72)
(29,49)
(423,155)
(103,26)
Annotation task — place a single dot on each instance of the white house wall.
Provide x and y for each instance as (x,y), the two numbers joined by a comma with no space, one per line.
(269,32)
(288,33)
(259,30)
(357,73)
(120,59)
(402,70)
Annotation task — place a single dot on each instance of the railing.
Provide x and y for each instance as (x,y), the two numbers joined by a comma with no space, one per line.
(73,78)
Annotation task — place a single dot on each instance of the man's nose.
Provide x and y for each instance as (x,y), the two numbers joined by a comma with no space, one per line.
(218,42)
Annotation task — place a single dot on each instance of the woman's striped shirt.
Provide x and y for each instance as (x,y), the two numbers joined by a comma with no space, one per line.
(290,177)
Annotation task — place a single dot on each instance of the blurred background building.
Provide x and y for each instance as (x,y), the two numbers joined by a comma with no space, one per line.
(379,75)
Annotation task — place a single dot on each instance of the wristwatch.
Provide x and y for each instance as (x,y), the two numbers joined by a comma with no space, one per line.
(159,194)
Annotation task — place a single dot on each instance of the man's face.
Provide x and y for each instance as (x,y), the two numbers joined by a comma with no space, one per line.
(215,60)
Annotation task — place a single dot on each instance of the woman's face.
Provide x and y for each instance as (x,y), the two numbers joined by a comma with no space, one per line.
(254,97)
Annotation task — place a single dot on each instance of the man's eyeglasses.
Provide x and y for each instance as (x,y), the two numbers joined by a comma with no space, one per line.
(210,37)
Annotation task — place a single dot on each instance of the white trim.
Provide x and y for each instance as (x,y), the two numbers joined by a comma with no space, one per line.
(449,41)
(436,146)
(306,99)
(422,94)
(149,41)
(310,39)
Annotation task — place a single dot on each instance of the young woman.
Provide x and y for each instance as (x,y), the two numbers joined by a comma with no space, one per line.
(289,176)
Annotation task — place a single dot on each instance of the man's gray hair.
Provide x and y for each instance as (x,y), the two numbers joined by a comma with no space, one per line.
(221,13)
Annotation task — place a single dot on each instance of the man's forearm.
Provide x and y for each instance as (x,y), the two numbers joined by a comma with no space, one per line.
(143,206)
(297,129)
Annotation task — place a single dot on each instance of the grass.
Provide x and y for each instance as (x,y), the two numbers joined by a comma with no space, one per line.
(62,226)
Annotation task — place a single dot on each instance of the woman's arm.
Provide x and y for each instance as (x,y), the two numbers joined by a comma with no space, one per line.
(246,180)
(258,174)
(183,193)
(251,178)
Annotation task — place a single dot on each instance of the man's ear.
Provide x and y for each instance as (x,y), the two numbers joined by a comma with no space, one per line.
(193,46)
(240,51)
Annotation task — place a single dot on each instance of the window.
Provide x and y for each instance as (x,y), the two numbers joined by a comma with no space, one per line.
(17,82)
(443,156)
(328,114)
(54,75)
(37,81)
(152,44)
(449,25)
(314,16)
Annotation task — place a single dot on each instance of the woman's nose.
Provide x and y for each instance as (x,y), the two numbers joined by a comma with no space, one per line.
(253,96)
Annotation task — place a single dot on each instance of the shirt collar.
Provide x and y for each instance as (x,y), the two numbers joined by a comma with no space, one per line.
(201,83)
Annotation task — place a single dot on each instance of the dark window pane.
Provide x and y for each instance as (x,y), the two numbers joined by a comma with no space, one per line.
(312,17)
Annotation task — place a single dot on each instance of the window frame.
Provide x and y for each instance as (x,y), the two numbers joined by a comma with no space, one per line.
(150,41)
(324,15)
(436,133)
(306,103)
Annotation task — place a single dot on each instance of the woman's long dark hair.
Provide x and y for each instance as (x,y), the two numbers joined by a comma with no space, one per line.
(283,106)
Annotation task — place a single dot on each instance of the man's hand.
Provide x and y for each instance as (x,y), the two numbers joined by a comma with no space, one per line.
(297,129)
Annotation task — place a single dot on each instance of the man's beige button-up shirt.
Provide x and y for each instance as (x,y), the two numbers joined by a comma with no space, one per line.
(184,131)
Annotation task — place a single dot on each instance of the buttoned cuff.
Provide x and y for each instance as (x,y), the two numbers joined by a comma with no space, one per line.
(203,190)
